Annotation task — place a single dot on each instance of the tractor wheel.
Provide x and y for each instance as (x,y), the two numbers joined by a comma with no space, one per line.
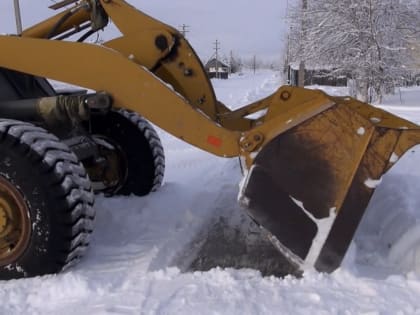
(46,203)
(134,156)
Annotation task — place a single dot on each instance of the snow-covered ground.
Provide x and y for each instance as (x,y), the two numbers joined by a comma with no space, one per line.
(146,251)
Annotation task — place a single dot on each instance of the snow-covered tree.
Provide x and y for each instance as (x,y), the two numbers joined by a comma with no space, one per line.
(370,41)
(235,63)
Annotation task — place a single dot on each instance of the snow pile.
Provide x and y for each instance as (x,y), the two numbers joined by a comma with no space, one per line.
(215,292)
(144,249)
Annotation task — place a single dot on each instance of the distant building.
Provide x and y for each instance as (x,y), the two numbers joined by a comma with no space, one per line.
(216,69)
(416,52)
(315,76)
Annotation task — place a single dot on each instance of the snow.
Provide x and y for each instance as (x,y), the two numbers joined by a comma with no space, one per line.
(394,157)
(361,131)
(372,183)
(148,255)
(375,120)
(406,251)
(323,228)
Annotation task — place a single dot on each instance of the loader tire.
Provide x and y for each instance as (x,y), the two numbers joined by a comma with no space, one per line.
(46,200)
(141,150)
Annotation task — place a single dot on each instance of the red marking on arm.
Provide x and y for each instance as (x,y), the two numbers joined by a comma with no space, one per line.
(215,141)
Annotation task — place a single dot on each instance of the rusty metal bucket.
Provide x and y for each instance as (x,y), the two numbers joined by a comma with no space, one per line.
(310,185)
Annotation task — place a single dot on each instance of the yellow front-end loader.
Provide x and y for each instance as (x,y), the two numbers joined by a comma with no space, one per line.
(310,160)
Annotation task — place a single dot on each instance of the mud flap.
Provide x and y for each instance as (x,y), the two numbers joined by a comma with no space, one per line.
(310,186)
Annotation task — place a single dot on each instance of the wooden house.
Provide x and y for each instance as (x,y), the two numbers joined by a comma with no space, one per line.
(216,69)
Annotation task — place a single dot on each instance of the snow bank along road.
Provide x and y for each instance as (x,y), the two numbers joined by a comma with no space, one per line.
(145,250)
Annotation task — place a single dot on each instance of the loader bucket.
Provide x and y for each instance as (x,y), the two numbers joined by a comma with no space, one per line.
(310,184)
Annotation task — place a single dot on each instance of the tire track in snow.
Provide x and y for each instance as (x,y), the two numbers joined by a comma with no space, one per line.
(229,238)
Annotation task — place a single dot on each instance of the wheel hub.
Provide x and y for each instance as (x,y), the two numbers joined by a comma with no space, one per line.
(3,220)
(109,171)
(15,227)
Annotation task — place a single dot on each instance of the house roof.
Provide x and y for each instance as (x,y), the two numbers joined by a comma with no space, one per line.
(213,62)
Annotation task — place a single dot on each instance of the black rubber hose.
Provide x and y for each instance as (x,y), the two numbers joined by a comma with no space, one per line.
(86,35)
(61,21)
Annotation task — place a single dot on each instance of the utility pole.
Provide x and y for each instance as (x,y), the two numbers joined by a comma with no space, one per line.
(301,71)
(287,63)
(18,17)
(184,29)
(216,48)
(230,62)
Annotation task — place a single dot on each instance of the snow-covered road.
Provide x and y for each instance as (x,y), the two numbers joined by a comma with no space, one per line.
(145,250)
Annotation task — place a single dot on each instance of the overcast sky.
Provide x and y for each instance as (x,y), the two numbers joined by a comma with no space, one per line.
(246,27)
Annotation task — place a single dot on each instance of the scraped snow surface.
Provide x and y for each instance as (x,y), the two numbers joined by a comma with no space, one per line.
(146,251)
